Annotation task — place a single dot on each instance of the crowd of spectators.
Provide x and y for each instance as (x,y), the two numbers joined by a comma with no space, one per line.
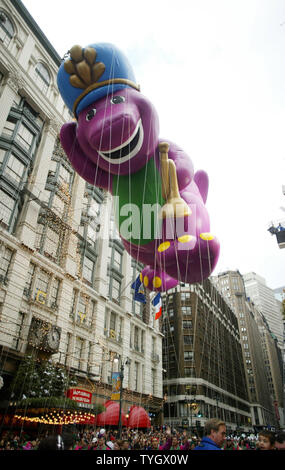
(131,439)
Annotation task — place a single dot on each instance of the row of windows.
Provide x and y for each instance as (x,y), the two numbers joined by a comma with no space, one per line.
(7,31)
(18,142)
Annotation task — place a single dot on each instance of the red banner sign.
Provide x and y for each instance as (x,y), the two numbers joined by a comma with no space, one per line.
(80,395)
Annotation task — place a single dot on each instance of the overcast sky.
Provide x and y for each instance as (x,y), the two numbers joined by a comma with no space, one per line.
(215,71)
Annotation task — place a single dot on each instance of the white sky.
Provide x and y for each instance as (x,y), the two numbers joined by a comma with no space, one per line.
(215,71)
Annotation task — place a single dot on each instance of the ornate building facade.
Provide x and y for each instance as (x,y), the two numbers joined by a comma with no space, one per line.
(65,279)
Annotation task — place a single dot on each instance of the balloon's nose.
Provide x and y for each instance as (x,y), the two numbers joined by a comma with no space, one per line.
(113,129)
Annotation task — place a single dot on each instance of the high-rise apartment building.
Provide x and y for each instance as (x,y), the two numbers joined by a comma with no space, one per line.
(203,360)
(65,279)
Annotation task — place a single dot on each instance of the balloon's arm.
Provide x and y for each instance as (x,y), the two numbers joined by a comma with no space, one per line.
(175,205)
(164,165)
(81,164)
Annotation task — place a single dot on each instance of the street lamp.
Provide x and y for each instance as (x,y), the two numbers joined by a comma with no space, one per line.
(192,405)
(123,363)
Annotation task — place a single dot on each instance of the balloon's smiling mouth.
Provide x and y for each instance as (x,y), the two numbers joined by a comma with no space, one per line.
(126,150)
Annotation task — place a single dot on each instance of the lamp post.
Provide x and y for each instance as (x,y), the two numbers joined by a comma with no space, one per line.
(122,367)
(192,405)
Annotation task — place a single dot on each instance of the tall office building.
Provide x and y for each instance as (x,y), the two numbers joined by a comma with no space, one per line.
(203,360)
(65,279)
(264,298)
(261,354)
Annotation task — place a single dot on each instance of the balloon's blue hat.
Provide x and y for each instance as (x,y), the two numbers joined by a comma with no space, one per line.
(91,73)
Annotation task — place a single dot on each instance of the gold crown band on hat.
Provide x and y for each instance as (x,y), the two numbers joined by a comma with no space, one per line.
(94,86)
(85,72)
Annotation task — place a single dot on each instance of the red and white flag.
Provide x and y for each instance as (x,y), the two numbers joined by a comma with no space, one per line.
(157,306)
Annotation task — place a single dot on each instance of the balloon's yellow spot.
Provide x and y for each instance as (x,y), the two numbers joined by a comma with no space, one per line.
(185,238)
(141,277)
(156,282)
(163,247)
(207,236)
(145,281)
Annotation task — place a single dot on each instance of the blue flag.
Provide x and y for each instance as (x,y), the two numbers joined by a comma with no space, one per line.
(136,284)
(139,293)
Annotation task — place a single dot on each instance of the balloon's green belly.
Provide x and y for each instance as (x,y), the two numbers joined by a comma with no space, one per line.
(137,200)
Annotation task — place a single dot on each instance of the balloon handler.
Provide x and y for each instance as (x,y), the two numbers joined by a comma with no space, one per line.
(113,143)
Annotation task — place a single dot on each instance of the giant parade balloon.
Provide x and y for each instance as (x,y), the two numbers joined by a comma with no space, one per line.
(113,143)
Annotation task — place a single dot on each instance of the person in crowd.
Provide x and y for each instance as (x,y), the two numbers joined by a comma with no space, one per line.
(266,440)
(280,441)
(101,443)
(117,445)
(81,444)
(243,444)
(53,442)
(154,444)
(125,445)
(230,444)
(215,434)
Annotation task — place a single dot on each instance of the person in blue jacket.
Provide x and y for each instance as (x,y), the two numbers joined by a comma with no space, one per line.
(215,434)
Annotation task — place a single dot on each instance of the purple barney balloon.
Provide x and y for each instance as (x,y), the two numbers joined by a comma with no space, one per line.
(159,201)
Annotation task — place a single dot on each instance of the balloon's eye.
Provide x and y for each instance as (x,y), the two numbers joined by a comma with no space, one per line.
(90,114)
(117,99)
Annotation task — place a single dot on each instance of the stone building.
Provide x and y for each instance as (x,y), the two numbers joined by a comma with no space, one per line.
(65,279)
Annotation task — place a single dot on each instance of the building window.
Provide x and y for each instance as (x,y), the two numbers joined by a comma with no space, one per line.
(42,283)
(14,169)
(8,129)
(29,281)
(88,269)
(189,371)
(14,128)
(188,355)
(7,204)
(113,319)
(117,260)
(42,77)
(136,338)
(78,353)
(153,381)
(115,289)
(136,376)
(6,28)
(188,339)
(90,216)
(51,243)
(82,310)
(19,330)
(5,261)
(25,137)
(54,292)
(142,340)
(186,310)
